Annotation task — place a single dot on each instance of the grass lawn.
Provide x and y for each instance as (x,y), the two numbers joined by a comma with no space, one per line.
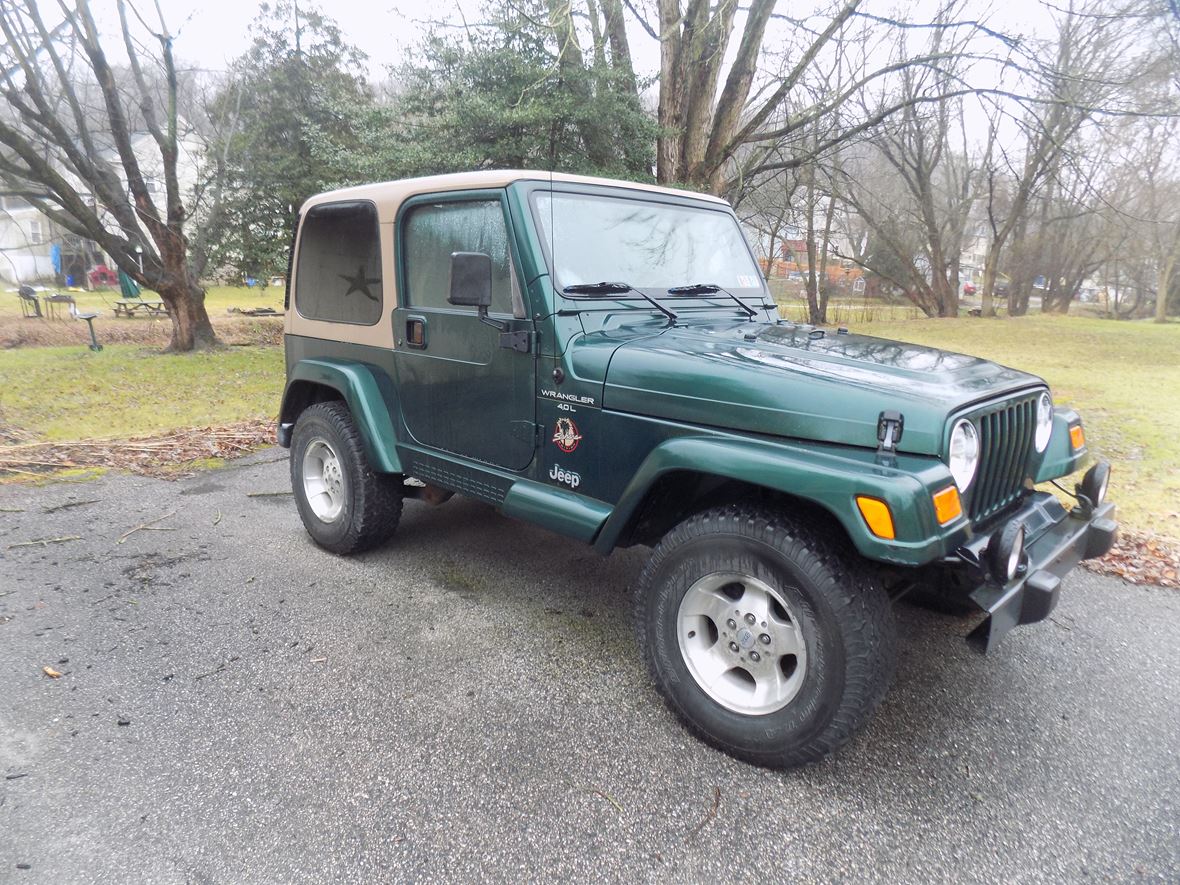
(1123,378)
(60,394)
(218,299)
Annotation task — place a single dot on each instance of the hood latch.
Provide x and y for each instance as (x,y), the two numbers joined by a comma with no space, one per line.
(889,429)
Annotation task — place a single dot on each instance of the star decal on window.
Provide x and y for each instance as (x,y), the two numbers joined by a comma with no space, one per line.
(360,283)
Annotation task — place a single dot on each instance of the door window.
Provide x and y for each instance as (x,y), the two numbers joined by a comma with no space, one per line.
(433,231)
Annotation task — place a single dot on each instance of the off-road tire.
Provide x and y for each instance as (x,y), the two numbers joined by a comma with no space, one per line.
(372,502)
(843,612)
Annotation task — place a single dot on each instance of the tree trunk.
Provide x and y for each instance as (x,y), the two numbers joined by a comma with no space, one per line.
(942,292)
(990,266)
(946,293)
(824,292)
(812,282)
(191,328)
(1018,299)
(955,283)
(772,250)
(814,314)
(570,64)
(1163,287)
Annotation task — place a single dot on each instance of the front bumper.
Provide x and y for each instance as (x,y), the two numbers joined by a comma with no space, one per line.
(1056,540)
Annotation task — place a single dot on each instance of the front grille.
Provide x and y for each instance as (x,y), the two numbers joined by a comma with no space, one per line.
(1005,443)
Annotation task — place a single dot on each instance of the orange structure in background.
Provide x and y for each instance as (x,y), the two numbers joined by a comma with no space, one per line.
(836,273)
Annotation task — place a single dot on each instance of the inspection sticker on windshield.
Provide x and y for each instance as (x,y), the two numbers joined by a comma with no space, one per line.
(745,281)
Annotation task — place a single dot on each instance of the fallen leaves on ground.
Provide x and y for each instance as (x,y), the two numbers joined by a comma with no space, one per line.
(240,328)
(148,455)
(51,673)
(1141,558)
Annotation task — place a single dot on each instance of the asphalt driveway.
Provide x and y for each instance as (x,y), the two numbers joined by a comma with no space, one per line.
(237,706)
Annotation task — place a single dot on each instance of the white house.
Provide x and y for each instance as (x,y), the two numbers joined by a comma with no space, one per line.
(28,238)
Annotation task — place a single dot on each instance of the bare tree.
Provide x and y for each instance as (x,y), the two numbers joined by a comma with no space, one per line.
(1091,71)
(724,121)
(914,188)
(1161,208)
(85,139)
(1068,233)
(768,210)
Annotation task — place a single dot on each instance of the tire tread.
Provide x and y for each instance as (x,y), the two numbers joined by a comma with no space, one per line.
(377,497)
(850,587)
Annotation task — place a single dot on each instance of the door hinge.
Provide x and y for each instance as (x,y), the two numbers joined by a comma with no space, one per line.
(521,341)
(526,431)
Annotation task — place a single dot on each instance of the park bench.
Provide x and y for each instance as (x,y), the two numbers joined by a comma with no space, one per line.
(130,307)
(133,302)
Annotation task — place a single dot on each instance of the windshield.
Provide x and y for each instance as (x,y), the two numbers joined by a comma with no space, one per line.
(649,245)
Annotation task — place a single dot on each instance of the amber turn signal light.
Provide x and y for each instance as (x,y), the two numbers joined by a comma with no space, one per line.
(1077,436)
(947,506)
(877,516)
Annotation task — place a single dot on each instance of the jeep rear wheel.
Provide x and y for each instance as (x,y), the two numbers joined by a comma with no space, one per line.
(770,640)
(345,506)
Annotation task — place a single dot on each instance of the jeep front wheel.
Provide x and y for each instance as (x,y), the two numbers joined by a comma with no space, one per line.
(770,640)
(345,506)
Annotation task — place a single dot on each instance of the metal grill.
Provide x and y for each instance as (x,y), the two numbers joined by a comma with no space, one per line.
(1005,441)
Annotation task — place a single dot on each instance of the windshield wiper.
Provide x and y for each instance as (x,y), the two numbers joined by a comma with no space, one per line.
(617,289)
(712,289)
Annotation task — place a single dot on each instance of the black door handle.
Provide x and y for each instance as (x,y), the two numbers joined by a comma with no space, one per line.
(416,332)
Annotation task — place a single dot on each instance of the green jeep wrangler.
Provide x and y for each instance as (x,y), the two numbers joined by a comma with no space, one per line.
(604,359)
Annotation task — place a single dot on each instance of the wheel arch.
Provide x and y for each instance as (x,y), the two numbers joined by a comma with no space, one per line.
(681,493)
(361,388)
(687,474)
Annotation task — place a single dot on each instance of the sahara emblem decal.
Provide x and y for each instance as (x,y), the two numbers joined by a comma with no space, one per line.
(566,435)
(569,477)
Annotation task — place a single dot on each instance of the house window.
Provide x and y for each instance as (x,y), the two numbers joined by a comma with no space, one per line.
(36,235)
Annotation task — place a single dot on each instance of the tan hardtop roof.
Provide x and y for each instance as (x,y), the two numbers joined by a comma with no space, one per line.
(389,195)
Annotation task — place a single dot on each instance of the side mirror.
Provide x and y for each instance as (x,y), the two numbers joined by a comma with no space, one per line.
(471,280)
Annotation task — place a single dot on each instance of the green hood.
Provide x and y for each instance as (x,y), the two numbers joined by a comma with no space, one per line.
(777,379)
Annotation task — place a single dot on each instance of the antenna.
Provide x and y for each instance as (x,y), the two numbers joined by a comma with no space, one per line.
(552,235)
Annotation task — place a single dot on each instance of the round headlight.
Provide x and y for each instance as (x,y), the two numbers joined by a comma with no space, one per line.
(963,456)
(1044,421)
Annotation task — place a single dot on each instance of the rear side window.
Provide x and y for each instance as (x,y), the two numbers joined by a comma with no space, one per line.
(339,273)
(434,230)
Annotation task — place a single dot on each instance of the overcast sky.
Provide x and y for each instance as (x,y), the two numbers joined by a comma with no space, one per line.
(214,32)
(211,33)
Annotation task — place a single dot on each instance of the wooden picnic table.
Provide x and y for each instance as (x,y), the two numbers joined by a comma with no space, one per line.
(146,308)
